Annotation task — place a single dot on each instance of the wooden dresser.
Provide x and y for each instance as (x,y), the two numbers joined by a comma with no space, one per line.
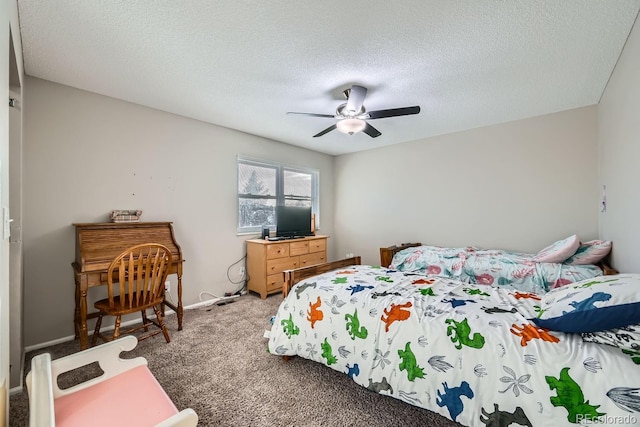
(266,260)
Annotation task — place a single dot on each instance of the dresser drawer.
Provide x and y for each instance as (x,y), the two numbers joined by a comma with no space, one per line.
(298,248)
(319,245)
(313,259)
(280,250)
(275,266)
(275,282)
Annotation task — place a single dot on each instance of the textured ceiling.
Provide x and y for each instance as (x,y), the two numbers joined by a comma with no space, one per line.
(244,64)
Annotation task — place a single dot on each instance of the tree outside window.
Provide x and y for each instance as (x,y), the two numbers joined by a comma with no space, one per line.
(262,185)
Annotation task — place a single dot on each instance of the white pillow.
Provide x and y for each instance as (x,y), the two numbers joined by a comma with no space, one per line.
(558,251)
(590,252)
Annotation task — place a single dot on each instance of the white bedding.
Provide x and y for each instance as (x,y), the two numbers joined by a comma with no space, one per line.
(466,351)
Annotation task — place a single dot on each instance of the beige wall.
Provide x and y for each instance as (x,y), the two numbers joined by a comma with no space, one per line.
(619,143)
(519,186)
(86,154)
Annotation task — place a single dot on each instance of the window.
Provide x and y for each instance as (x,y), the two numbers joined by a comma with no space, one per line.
(262,185)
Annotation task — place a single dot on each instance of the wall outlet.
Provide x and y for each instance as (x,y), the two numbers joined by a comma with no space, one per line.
(167,286)
(241,271)
(349,255)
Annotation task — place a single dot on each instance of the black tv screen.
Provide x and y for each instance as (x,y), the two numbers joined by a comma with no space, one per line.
(293,221)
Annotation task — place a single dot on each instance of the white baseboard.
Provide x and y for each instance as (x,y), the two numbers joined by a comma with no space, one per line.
(132,322)
(72,337)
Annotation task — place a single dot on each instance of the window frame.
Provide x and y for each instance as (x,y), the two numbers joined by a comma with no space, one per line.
(280,197)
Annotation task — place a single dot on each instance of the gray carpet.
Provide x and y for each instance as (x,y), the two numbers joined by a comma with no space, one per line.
(219,366)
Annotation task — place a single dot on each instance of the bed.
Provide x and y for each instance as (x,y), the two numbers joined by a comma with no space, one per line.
(479,355)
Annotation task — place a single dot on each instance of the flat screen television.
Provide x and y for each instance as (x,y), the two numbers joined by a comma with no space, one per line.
(293,221)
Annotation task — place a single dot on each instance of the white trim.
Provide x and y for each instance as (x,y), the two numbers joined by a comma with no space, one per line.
(130,322)
(71,337)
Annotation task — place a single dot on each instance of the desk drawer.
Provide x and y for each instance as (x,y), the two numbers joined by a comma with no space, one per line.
(276,266)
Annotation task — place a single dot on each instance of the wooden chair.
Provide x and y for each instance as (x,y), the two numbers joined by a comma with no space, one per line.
(135,280)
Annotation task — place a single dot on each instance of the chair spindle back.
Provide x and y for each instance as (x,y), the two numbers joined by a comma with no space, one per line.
(141,272)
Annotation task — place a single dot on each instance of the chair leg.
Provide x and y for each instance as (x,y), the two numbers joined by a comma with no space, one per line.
(96,332)
(116,329)
(145,321)
(161,323)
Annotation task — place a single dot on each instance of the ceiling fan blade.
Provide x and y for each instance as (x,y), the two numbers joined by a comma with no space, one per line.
(330,116)
(327,130)
(371,131)
(355,99)
(392,112)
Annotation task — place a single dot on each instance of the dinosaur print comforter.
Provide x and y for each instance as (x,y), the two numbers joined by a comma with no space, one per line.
(466,351)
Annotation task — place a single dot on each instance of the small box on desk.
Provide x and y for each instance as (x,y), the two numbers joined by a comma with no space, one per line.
(126,215)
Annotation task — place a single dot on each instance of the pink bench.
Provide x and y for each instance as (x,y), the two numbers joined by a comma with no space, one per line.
(126,393)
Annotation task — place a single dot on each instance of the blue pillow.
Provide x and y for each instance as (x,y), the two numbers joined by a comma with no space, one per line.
(592,305)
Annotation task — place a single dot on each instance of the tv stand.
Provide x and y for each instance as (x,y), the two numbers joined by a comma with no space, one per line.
(267,259)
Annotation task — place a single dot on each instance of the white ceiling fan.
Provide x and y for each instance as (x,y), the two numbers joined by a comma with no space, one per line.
(352,116)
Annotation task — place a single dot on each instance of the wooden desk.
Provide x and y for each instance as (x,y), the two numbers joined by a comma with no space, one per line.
(97,244)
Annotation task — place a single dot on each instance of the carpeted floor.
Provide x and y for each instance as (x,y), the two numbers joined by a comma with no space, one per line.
(219,366)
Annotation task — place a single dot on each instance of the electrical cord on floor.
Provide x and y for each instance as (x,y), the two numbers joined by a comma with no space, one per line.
(208,302)
(208,293)
(239,291)
(243,280)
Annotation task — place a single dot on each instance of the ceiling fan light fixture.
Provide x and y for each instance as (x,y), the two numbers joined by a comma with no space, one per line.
(351,125)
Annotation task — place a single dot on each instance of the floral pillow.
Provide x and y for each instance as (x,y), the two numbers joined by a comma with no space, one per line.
(592,305)
(409,260)
(559,251)
(625,338)
(590,252)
